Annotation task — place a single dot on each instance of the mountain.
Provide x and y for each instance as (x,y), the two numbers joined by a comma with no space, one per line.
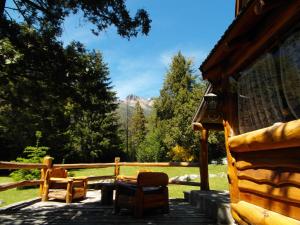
(131,100)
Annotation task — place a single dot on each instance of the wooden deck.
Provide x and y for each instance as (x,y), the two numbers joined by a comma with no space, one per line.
(90,211)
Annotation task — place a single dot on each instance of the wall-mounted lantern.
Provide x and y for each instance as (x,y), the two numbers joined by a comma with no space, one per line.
(212,106)
(212,101)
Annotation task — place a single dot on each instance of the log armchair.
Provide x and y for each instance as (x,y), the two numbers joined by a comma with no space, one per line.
(149,191)
(58,185)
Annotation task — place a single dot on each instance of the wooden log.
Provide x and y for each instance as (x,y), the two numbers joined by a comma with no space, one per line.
(278,158)
(282,135)
(161,164)
(267,163)
(117,167)
(286,193)
(253,214)
(185,183)
(289,209)
(272,177)
(25,183)
(232,170)
(84,165)
(237,218)
(16,165)
(92,178)
(204,160)
(48,162)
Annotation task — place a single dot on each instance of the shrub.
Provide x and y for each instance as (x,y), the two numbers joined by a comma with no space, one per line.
(33,154)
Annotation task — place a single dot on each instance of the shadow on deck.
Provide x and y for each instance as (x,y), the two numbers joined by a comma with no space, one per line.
(90,211)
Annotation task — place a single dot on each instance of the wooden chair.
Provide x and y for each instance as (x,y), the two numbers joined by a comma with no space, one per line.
(58,185)
(149,191)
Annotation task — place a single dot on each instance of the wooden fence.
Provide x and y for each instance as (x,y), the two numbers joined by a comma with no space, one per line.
(47,164)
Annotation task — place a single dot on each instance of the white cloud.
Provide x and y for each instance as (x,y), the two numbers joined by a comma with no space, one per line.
(144,85)
(138,76)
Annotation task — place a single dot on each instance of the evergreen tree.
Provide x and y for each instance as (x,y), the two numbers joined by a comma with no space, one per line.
(137,130)
(152,149)
(63,92)
(175,107)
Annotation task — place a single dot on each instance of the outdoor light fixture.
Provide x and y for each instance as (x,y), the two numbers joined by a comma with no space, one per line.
(212,101)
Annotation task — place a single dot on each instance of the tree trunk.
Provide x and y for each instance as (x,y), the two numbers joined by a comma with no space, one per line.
(2,6)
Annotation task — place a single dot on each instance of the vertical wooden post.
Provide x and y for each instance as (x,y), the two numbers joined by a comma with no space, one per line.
(204,160)
(117,166)
(48,161)
(69,196)
(232,170)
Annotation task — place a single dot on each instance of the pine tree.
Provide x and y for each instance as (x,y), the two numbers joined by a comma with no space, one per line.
(176,105)
(137,130)
(63,92)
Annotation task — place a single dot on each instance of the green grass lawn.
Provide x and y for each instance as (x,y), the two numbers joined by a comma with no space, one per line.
(176,191)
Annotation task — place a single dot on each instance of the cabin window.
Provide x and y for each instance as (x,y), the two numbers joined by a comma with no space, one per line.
(269,90)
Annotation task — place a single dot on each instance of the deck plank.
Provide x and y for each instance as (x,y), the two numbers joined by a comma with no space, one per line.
(90,211)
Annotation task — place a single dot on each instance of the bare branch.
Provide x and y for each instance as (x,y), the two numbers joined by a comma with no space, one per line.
(21,12)
(44,10)
(7,13)
(11,8)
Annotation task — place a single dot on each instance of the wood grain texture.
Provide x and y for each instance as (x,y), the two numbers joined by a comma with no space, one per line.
(256,215)
(92,178)
(288,209)
(84,165)
(288,158)
(16,165)
(25,183)
(232,171)
(286,193)
(283,135)
(91,212)
(161,164)
(267,163)
(272,177)
(237,218)
(204,160)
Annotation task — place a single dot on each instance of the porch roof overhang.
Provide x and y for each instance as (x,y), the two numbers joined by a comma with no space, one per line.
(260,26)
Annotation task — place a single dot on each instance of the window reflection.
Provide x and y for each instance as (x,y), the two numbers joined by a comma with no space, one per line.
(269,90)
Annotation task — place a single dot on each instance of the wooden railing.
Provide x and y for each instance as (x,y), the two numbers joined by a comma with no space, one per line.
(47,164)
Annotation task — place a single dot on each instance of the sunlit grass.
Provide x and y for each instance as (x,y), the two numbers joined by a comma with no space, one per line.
(175,191)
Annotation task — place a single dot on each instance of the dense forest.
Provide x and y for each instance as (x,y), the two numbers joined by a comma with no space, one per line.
(60,99)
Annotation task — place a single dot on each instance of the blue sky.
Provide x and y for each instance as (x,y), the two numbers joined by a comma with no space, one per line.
(139,66)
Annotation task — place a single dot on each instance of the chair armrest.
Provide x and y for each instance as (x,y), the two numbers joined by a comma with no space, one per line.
(61,180)
(127,179)
(79,178)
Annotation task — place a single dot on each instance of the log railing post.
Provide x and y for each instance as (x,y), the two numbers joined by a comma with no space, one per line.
(48,162)
(117,166)
(204,160)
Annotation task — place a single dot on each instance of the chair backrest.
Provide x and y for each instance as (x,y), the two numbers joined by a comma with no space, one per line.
(59,172)
(148,179)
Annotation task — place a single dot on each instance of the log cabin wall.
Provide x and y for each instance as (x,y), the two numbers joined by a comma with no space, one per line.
(256,65)
(267,168)
(263,132)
